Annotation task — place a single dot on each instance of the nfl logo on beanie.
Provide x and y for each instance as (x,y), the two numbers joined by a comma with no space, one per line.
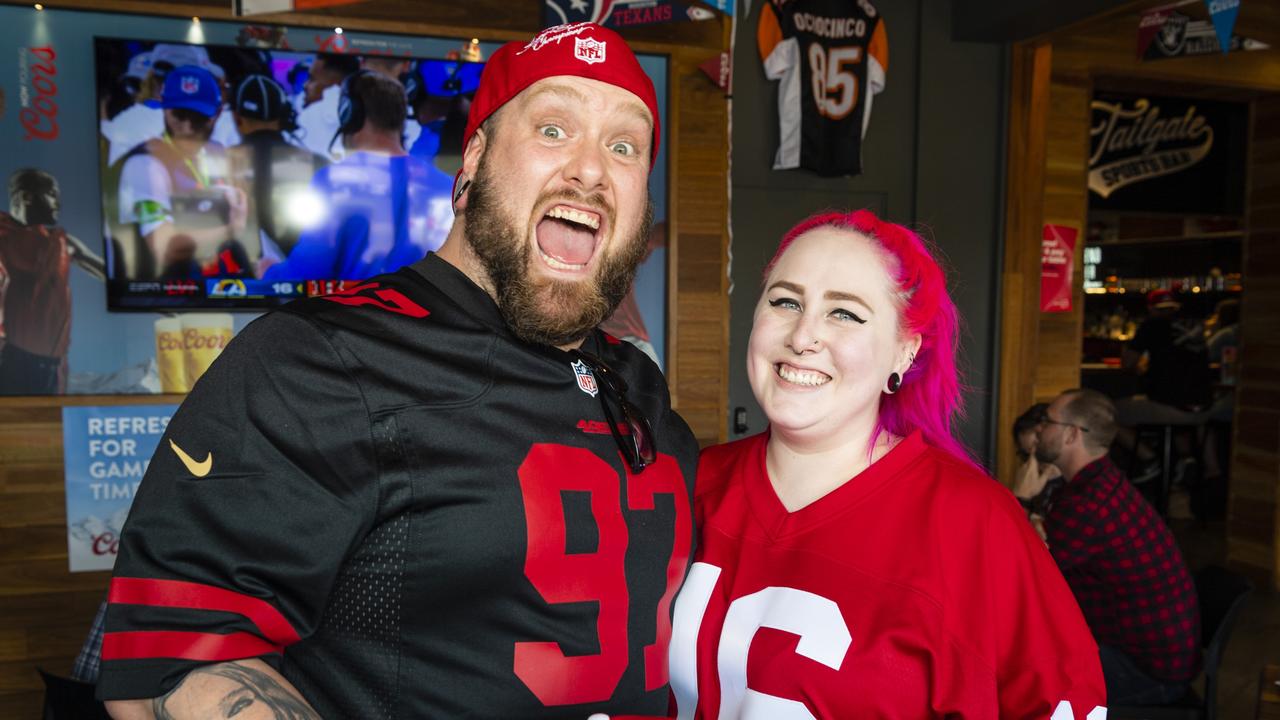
(588,50)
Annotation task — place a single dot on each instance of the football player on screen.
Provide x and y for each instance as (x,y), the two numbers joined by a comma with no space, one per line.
(177,209)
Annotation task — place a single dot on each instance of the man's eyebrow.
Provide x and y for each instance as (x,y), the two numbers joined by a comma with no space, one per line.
(640,112)
(632,107)
(564,91)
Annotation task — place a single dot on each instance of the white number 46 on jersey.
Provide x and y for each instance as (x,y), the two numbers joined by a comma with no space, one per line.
(824,637)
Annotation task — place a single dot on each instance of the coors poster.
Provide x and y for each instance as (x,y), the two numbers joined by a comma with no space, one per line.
(106,450)
(1162,154)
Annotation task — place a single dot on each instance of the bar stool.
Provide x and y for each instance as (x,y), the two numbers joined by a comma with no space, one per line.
(1158,422)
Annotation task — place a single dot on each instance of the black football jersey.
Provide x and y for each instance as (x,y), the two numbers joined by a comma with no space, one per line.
(411,513)
(831,57)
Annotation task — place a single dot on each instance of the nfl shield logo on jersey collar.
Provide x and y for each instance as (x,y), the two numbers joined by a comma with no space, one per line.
(589,50)
(586,381)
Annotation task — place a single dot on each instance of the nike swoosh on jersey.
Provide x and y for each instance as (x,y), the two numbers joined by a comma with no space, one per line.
(199,469)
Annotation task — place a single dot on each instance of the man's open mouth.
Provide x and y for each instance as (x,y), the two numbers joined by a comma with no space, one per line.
(567,237)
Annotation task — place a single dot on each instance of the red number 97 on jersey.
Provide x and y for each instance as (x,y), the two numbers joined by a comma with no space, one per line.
(599,576)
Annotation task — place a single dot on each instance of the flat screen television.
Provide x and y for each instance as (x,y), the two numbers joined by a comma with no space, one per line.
(225,179)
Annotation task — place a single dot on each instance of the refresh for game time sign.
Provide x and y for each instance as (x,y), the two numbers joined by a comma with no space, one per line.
(106,451)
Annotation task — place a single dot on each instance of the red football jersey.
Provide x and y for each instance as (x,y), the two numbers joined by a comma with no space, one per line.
(916,590)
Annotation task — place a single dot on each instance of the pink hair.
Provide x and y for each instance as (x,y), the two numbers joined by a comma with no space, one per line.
(930,397)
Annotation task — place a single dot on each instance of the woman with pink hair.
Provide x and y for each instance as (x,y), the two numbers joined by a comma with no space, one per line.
(853,560)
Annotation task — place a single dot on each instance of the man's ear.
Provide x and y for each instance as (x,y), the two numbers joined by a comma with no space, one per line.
(470,166)
(472,153)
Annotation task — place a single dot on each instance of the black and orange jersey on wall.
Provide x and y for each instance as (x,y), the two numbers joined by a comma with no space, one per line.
(831,57)
(410,513)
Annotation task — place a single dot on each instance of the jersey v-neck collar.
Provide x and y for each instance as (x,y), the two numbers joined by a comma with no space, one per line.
(779,523)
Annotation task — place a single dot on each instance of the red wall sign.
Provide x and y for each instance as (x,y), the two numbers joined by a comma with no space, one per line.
(1057,256)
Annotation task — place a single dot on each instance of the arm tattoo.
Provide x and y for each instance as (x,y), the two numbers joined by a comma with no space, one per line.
(237,689)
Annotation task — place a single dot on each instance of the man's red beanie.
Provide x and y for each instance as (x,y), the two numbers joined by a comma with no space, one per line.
(579,49)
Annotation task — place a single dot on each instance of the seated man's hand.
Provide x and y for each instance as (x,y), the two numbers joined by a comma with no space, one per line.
(1031,477)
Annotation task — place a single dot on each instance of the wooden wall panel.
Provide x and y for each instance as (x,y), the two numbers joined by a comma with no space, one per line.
(45,611)
(1253,512)
(1065,175)
(699,311)
(1024,210)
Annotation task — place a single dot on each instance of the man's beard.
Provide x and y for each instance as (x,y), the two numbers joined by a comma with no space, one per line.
(1046,455)
(547,311)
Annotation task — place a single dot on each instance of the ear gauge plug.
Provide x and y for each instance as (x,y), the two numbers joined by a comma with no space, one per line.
(461,189)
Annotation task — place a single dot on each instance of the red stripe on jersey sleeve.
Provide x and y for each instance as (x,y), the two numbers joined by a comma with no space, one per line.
(196,596)
(209,647)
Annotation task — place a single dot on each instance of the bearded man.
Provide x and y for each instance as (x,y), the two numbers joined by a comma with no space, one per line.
(442,492)
(1116,553)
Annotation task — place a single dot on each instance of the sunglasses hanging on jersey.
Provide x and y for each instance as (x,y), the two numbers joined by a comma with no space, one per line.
(639,450)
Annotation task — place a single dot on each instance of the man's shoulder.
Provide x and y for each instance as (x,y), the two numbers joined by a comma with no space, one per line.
(398,337)
(140,153)
(398,295)
(1098,491)
(401,317)
(1100,477)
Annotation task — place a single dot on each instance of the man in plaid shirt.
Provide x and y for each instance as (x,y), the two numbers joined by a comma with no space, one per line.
(1118,556)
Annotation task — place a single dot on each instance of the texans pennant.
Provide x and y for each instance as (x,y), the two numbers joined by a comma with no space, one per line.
(620,13)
